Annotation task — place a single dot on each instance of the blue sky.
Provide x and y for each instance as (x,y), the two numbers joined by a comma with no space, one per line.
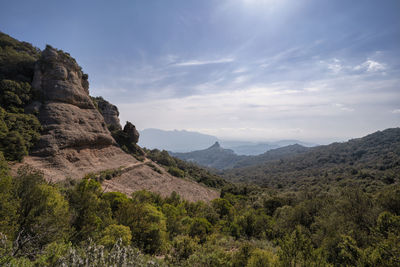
(315,70)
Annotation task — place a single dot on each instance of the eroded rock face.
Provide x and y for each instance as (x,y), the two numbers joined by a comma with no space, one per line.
(67,114)
(110,113)
(132,133)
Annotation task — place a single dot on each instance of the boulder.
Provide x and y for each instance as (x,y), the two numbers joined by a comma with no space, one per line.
(131,132)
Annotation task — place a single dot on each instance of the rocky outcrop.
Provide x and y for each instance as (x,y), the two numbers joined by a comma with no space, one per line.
(75,140)
(67,113)
(110,113)
(131,132)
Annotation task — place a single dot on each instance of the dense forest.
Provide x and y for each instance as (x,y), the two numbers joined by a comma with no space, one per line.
(332,206)
(75,223)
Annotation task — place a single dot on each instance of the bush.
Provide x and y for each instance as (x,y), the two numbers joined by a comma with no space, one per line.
(113,233)
(176,172)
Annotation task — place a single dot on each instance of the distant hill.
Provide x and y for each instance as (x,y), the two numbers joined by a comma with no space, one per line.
(177,141)
(253,148)
(213,157)
(368,162)
(220,158)
(272,155)
(187,141)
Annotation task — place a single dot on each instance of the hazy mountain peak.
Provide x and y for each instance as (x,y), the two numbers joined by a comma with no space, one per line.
(215,145)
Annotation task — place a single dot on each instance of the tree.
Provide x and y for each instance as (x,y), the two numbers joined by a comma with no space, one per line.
(200,228)
(91,213)
(223,208)
(262,258)
(44,215)
(8,202)
(112,233)
(296,249)
(147,224)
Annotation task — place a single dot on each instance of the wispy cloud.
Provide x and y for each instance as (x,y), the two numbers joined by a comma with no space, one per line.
(304,110)
(337,66)
(203,62)
(342,107)
(371,66)
(396,111)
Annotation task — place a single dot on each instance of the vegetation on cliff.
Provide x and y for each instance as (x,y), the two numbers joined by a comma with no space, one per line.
(18,131)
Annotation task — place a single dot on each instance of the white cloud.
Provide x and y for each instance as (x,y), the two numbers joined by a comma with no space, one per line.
(240,70)
(396,111)
(203,62)
(342,107)
(241,79)
(371,66)
(335,66)
(277,110)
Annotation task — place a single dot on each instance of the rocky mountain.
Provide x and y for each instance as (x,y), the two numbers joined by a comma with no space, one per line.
(74,140)
(213,157)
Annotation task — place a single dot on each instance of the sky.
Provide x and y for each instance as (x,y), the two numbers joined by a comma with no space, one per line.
(314,70)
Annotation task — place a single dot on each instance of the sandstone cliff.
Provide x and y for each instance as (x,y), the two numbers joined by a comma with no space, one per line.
(67,113)
(75,140)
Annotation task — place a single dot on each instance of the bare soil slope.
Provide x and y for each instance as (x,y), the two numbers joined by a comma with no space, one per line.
(142,176)
(136,175)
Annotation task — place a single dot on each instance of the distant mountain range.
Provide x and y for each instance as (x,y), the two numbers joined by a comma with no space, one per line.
(220,158)
(367,162)
(187,141)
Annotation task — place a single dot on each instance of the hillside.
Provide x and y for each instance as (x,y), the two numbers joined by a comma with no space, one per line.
(369,162)
(49,121)
(258,148)
(220,158)
(272,155)
(213,157)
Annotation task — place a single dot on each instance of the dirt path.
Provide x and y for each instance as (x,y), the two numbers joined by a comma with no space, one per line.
(134,166)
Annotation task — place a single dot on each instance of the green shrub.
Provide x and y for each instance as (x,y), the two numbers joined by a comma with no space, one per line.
(112,233)
(176,172)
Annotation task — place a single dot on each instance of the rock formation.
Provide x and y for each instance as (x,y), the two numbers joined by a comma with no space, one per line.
(75,140)
(110,113)
(67,113)
(131,132)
